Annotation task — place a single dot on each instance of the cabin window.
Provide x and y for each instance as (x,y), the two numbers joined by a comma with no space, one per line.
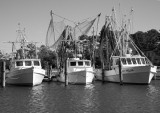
(138,60)
(117,61)
(134,61)
(124,61)
(147,62)
(19,63)
(143,61)
(87,63)
(129,61)
(72,63)
(36,63)
(80,63)
(27,63)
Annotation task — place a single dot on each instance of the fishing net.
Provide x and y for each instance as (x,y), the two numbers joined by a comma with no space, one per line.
(54,32)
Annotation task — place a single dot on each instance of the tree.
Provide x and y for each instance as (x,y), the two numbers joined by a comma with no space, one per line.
(48,57)
(146,41)
(1,55)
(31,50)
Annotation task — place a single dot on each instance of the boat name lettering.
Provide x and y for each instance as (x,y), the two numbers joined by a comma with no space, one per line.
(127,70)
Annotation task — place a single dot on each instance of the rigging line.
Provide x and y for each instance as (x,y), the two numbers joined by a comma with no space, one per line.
(53,28)
(131,14)
(97,24)
(57,42)
(86,20)
(47,43)
(63,17)
(83,20)
(97,27)
(87,24)
(96,30)
(114,33)
(80,29)
(117,46)
(135,46)
(141,51)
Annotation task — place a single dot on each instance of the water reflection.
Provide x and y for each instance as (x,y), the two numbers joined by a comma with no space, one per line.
(36,99)
(89,100)
(89,86)
(78,98)
(152,93)
(94,98)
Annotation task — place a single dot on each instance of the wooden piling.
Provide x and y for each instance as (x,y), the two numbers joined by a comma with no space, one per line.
(155,76)
(49,73)
(120,72)
(3,76)
(65,72)
(103,75)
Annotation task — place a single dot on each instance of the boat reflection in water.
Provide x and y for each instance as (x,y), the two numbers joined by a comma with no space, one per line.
(55,97)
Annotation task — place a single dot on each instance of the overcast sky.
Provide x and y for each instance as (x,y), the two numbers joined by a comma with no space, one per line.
(34,15)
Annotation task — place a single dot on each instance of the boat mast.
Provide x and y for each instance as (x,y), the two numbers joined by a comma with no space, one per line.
(95,40)
(93,57)
(57,60)
(22,40)
(107,42)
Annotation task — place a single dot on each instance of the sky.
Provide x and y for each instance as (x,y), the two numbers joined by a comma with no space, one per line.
(34,16)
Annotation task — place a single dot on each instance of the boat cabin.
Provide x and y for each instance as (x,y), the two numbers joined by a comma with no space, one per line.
(130,61)
(75,64)
(26,63)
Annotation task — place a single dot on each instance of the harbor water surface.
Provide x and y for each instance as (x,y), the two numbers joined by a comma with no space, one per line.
(55,97)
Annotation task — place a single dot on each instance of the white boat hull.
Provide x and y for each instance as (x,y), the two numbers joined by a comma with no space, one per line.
(78,77)
(28,76)
(137,75)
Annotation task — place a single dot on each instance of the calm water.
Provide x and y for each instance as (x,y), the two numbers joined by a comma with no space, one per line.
(54,97)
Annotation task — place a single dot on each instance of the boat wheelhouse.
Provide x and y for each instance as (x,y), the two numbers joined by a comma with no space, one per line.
(75,64)
(26,63)
(130,61)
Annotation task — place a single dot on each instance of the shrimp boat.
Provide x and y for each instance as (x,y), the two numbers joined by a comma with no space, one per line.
(25,71)
(66,44)
(134,69)
(123,60)
(78,72)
